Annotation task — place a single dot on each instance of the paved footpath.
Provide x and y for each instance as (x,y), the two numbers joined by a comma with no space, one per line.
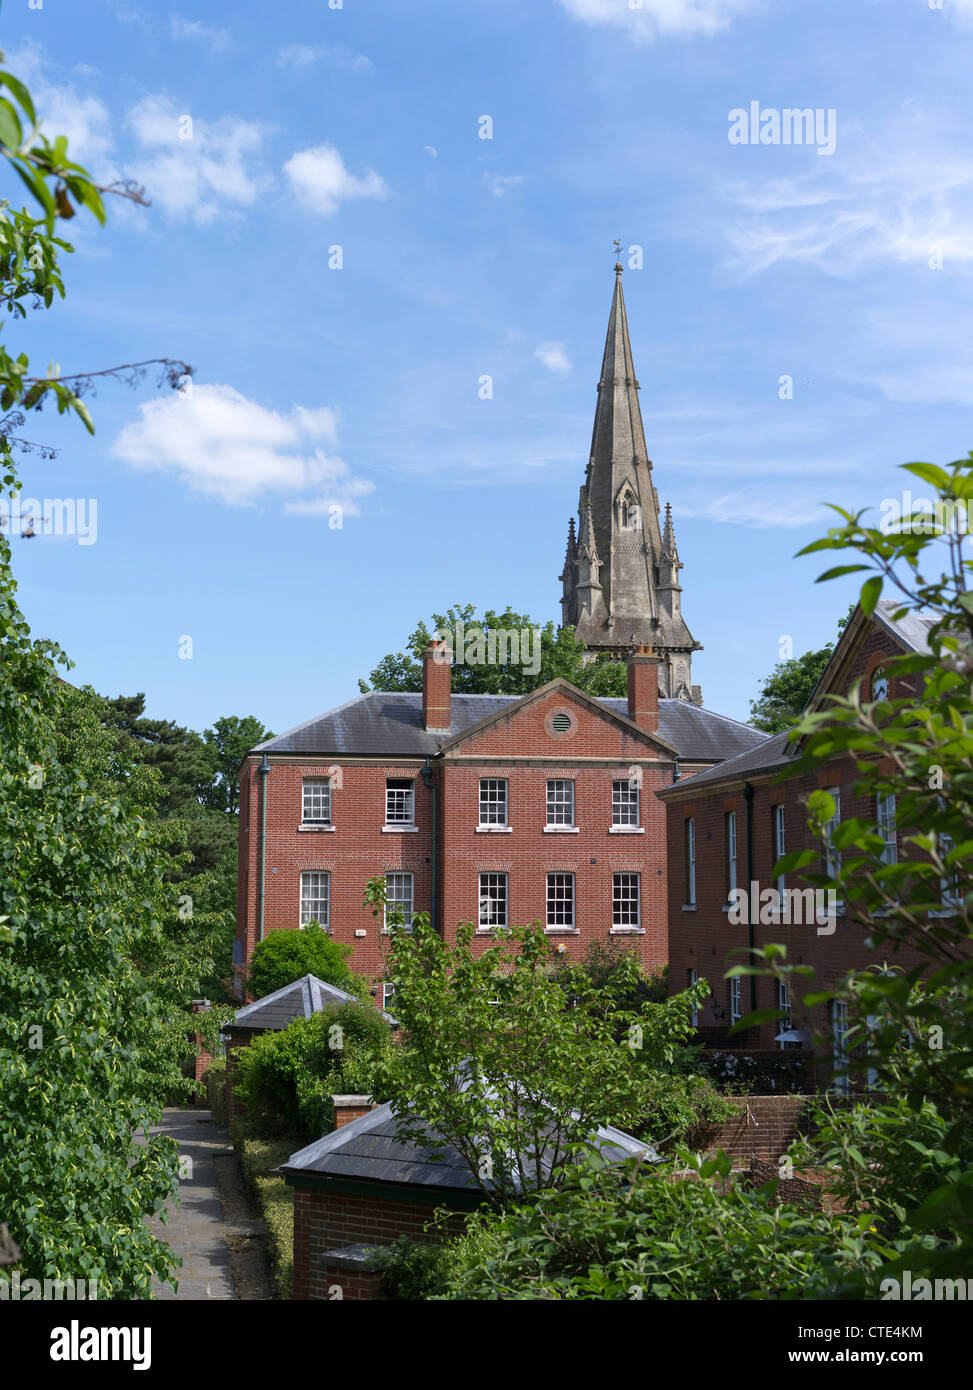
(195,1226)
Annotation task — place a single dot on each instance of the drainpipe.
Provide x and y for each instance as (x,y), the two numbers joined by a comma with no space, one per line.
(427,777)
(748,794)
(263,769)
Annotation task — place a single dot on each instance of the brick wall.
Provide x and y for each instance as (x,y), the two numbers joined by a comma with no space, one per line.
(325,1221)
(521,748)
(702,938)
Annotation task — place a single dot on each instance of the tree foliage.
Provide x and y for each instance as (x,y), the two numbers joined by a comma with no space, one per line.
(516,1066)
(285,956)
(560,654)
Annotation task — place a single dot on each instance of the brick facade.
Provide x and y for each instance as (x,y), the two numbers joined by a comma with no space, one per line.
(526,747)
(701,938)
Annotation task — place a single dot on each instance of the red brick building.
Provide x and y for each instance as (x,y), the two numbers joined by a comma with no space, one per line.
(495,810)
(728,825)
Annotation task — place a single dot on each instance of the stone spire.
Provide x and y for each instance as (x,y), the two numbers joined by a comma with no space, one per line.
(621,590)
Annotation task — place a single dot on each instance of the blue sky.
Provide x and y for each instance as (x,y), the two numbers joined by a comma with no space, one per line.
(359,127)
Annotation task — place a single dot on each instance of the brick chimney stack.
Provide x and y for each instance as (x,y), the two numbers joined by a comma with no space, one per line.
(643,688)
(348,1108)
(436,683)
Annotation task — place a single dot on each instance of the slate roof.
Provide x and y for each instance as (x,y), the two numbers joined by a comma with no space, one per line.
(910,632)
(386,724)
(304,997)
(367,1150)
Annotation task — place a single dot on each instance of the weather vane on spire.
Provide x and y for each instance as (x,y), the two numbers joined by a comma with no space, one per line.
(618,253)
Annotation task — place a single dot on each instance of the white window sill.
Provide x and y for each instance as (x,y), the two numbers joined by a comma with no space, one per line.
(310,829)
(494,830)
(563,931)
(626,931)
(490,931)
(626,830)
(402,829)
(689,907)
(562,830)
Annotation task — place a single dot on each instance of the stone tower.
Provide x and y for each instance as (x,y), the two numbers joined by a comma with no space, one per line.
(621,572)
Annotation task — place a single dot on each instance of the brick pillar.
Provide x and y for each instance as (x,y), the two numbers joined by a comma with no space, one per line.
(643,689)
(348,1108)
(436,686)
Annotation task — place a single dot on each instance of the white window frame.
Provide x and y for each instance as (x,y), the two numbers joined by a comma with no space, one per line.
(731,850)
(488,901)
(489,803)
(403,787)
(322,879)
(310,786)
(780,849)
(832,856)
(786,1023)
(841,1081)
(690,833)
(554,895)
(408,904)
(626,802)
(560,804)
(619,900)
(736,1004)
(885,819)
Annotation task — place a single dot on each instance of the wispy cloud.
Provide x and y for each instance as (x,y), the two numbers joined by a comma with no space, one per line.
(906,199)
(231,448)
(646,20)
(553,356)
(198,32)
(197,170)
(501,184)
(322,183)
(302,57)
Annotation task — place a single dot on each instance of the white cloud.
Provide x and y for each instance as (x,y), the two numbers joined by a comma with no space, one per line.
(431,151)
(195,29)
(757,507)
(217,441)
(63,110)
(205,176)
(302,57)
(649,19)
(322,183)
(961,12)
(501,184)
(901,202)
(553,356)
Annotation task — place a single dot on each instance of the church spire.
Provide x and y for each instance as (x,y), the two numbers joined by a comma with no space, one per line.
(626,573)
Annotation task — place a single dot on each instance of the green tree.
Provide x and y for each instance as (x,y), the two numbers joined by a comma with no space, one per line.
(229,741)
(285,956)
(87,1050)
(787,690)
(559,654)
(514,1066)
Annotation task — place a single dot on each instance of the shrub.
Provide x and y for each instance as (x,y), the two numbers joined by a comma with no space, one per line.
(276,1201)
(285,956)
(286,1079)
(412,1271)
(215,1080)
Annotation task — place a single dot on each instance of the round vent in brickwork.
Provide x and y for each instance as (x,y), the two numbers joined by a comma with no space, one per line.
(561,723)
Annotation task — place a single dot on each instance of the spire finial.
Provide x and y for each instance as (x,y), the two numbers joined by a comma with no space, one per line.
(617,245)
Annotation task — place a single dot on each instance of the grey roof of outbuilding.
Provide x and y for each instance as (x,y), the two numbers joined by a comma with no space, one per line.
(385,724)
(367,1149)
(304,997)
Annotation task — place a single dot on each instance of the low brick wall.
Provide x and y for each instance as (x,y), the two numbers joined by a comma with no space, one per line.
(326,1222)
(765,1126)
